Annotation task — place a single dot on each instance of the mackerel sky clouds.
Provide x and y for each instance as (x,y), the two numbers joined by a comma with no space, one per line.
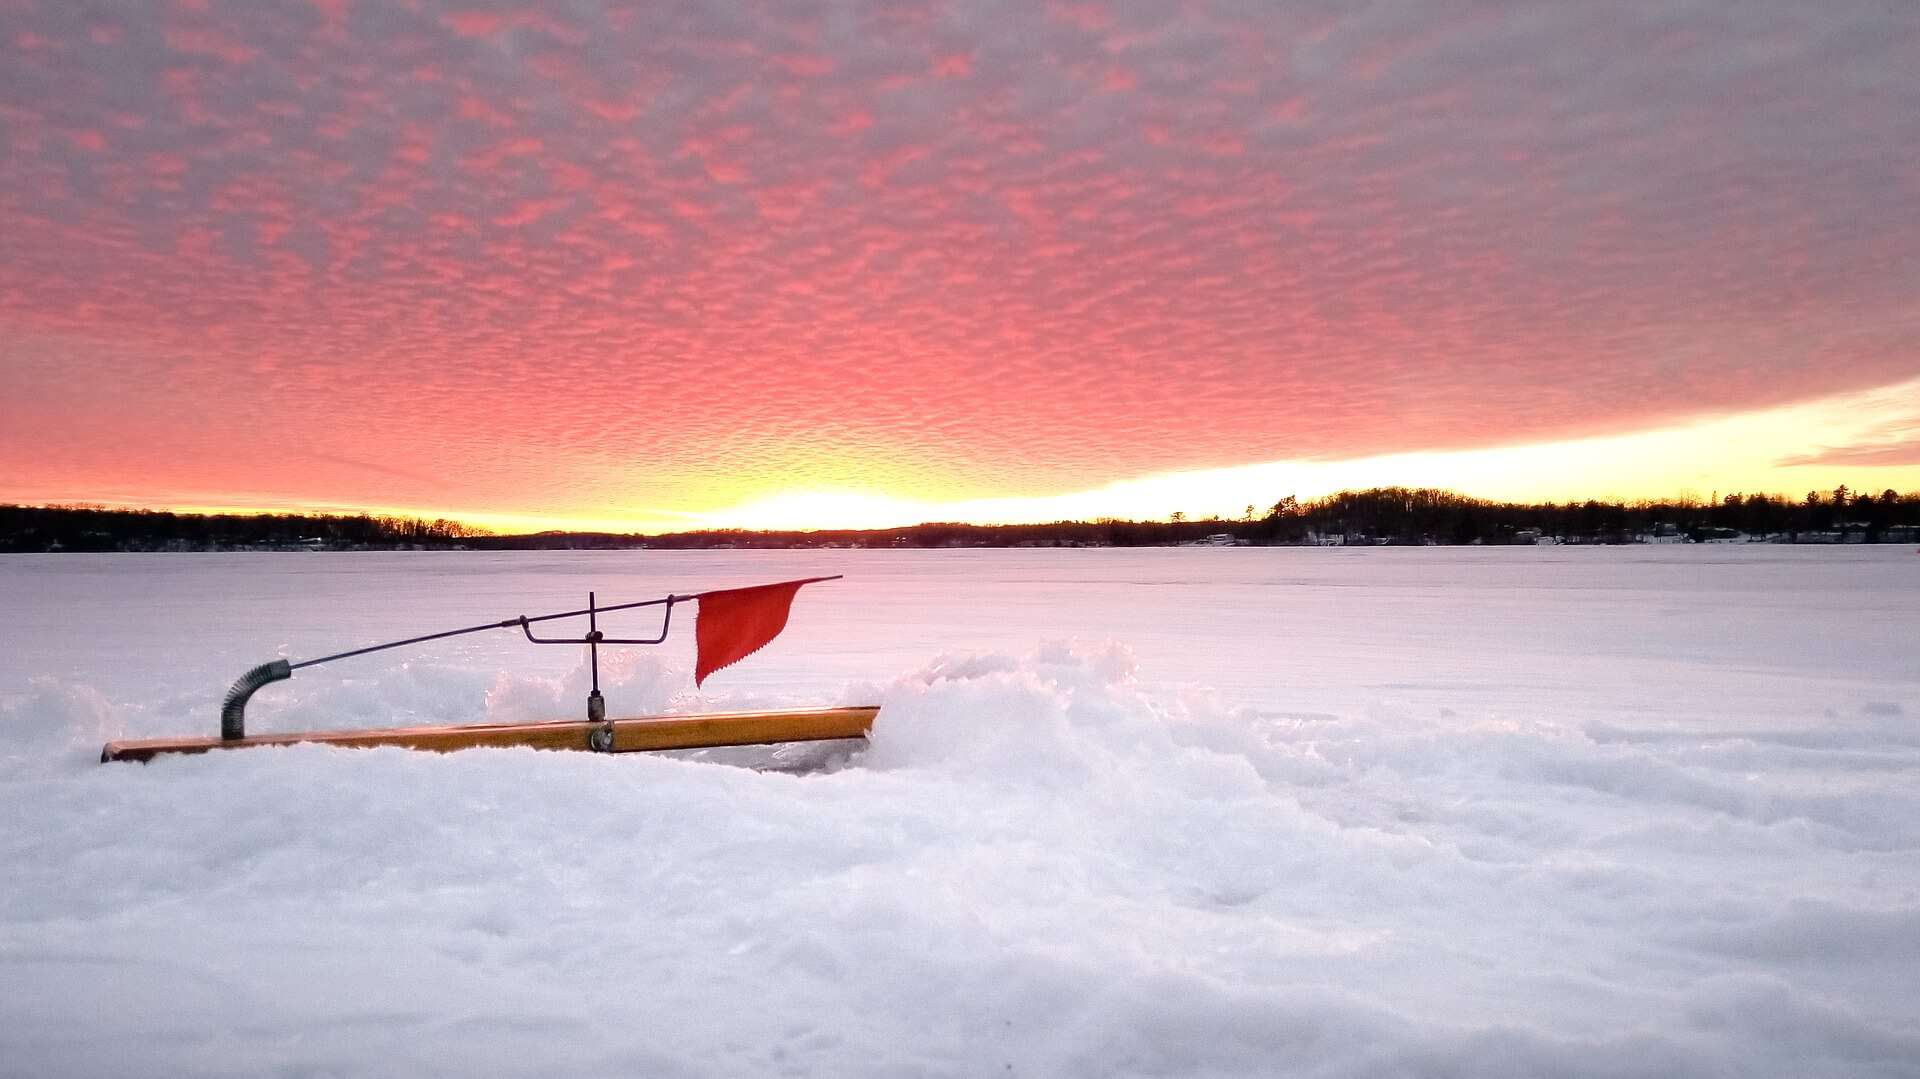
(650,262)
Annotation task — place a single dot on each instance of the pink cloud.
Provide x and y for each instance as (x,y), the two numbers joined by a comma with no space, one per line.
(474,107)
(807,66)
(953,65)
(618,112)
(1051,249)
(1089,17)
(475,23)
(210,43)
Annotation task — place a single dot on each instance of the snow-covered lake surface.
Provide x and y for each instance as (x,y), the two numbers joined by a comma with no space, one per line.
(1443,812)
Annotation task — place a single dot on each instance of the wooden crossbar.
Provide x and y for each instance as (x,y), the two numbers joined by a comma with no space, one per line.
(629,735)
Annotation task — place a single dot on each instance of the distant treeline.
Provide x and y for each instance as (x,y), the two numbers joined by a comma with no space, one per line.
(96,528)
(1403,515)
(1386,515)
(1390,515)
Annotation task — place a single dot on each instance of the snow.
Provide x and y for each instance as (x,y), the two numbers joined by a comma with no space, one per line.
(1502,812)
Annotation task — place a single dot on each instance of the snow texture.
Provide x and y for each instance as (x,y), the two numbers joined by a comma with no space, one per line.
(1520,812)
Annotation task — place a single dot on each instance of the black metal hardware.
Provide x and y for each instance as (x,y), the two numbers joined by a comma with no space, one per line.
(601,737)
(592,628)
(233,709)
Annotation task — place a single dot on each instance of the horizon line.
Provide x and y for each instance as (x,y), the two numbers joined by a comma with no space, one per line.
(1682,498)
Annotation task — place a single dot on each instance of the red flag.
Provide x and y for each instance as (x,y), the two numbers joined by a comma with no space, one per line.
(734,623)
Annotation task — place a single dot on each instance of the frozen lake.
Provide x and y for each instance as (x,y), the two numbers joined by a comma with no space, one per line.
(1553,811)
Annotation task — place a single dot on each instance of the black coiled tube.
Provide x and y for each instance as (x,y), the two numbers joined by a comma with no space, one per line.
(233,712)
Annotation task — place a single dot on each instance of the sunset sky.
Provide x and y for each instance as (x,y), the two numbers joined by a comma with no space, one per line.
(818,264)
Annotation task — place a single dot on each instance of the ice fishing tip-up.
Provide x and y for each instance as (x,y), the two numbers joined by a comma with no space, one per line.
(233,708)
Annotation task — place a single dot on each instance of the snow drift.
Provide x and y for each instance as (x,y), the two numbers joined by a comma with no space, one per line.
(1043,863)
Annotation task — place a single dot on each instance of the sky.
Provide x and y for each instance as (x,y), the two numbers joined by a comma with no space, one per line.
(799,264)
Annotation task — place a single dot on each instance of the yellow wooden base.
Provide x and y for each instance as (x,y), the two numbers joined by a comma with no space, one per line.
(629,735)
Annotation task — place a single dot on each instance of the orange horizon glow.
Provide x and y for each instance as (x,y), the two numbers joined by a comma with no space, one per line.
(1779,451)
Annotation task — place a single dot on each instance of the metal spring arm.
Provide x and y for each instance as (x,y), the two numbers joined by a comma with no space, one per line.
(233,710)
(594,636)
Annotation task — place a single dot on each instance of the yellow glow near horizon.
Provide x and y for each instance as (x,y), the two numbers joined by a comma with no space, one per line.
(1742,452)
(1718,455)
(803,510)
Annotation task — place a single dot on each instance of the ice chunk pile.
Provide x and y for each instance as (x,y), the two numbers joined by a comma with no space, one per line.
(1037,867)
